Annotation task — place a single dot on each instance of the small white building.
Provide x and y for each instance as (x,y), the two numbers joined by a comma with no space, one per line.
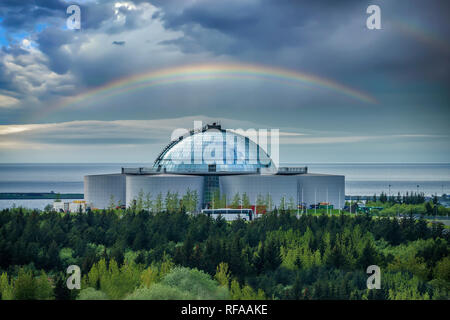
(74,206)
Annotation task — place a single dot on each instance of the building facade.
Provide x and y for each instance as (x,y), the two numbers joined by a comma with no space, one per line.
(214,160)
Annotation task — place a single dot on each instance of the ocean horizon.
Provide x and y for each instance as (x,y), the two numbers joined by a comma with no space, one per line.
(361,179)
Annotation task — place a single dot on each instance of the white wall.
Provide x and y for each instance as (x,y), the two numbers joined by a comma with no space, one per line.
(156,184)
(125,188)
(288,186)
(99,188)
(252,185)
(315,189)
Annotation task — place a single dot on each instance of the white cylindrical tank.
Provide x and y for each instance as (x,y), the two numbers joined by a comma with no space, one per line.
(322,188)
(101,190)
(155,184)
(278,186)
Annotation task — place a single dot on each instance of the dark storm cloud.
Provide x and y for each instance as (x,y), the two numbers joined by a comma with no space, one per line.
(95,141)
(14,49)
(269,25)
(324,37)
(406,71)
(22,15)
(51,42)
(7,83)
(94,14)
(61,46)
(295,34)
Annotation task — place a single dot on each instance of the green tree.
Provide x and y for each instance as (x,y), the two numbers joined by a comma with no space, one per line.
(148,203)
(158,205)
(25,286)
(442,270)
(92,294)
(6,287)
(368,255)
(222,274)
(269,203)
(236,202)
(140,201)
(112,204)
(291,205)
(283,204)
(260,203)
(44,288)
(272,257)
(245,201)
(183,283)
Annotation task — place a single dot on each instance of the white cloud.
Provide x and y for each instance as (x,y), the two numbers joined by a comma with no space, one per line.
(7,101)
(140,141)
(149,134)
(160,129)
(30,74)
(324,140)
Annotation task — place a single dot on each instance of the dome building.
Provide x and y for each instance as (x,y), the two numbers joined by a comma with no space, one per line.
(211,160)
(195,153)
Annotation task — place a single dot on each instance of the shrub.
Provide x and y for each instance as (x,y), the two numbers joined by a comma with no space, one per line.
(92,294)
(160,292)
(196,282)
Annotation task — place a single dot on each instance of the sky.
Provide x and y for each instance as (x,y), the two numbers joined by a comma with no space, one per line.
(114,90)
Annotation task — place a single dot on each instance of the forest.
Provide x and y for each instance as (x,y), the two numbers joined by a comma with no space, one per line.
(142,253)
(410,202)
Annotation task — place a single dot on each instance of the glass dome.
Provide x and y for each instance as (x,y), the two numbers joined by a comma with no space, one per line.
(213,150)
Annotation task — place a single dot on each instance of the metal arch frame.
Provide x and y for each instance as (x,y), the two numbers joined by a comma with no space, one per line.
(191,133)
(174,142)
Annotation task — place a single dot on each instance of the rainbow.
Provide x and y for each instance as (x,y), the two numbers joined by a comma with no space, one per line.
(197,72)
(422,35)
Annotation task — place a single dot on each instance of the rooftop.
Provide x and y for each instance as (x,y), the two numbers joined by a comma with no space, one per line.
(213,149)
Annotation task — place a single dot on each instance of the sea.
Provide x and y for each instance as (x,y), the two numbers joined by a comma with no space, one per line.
(361,179)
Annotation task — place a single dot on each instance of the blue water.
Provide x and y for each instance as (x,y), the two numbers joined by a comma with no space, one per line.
(59,178)
(361,179)
(368,178)
(62,178)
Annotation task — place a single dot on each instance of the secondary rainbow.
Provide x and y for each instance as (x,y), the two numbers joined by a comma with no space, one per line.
(422,35)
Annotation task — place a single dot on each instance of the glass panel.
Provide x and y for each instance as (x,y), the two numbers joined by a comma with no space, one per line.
(228,151)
